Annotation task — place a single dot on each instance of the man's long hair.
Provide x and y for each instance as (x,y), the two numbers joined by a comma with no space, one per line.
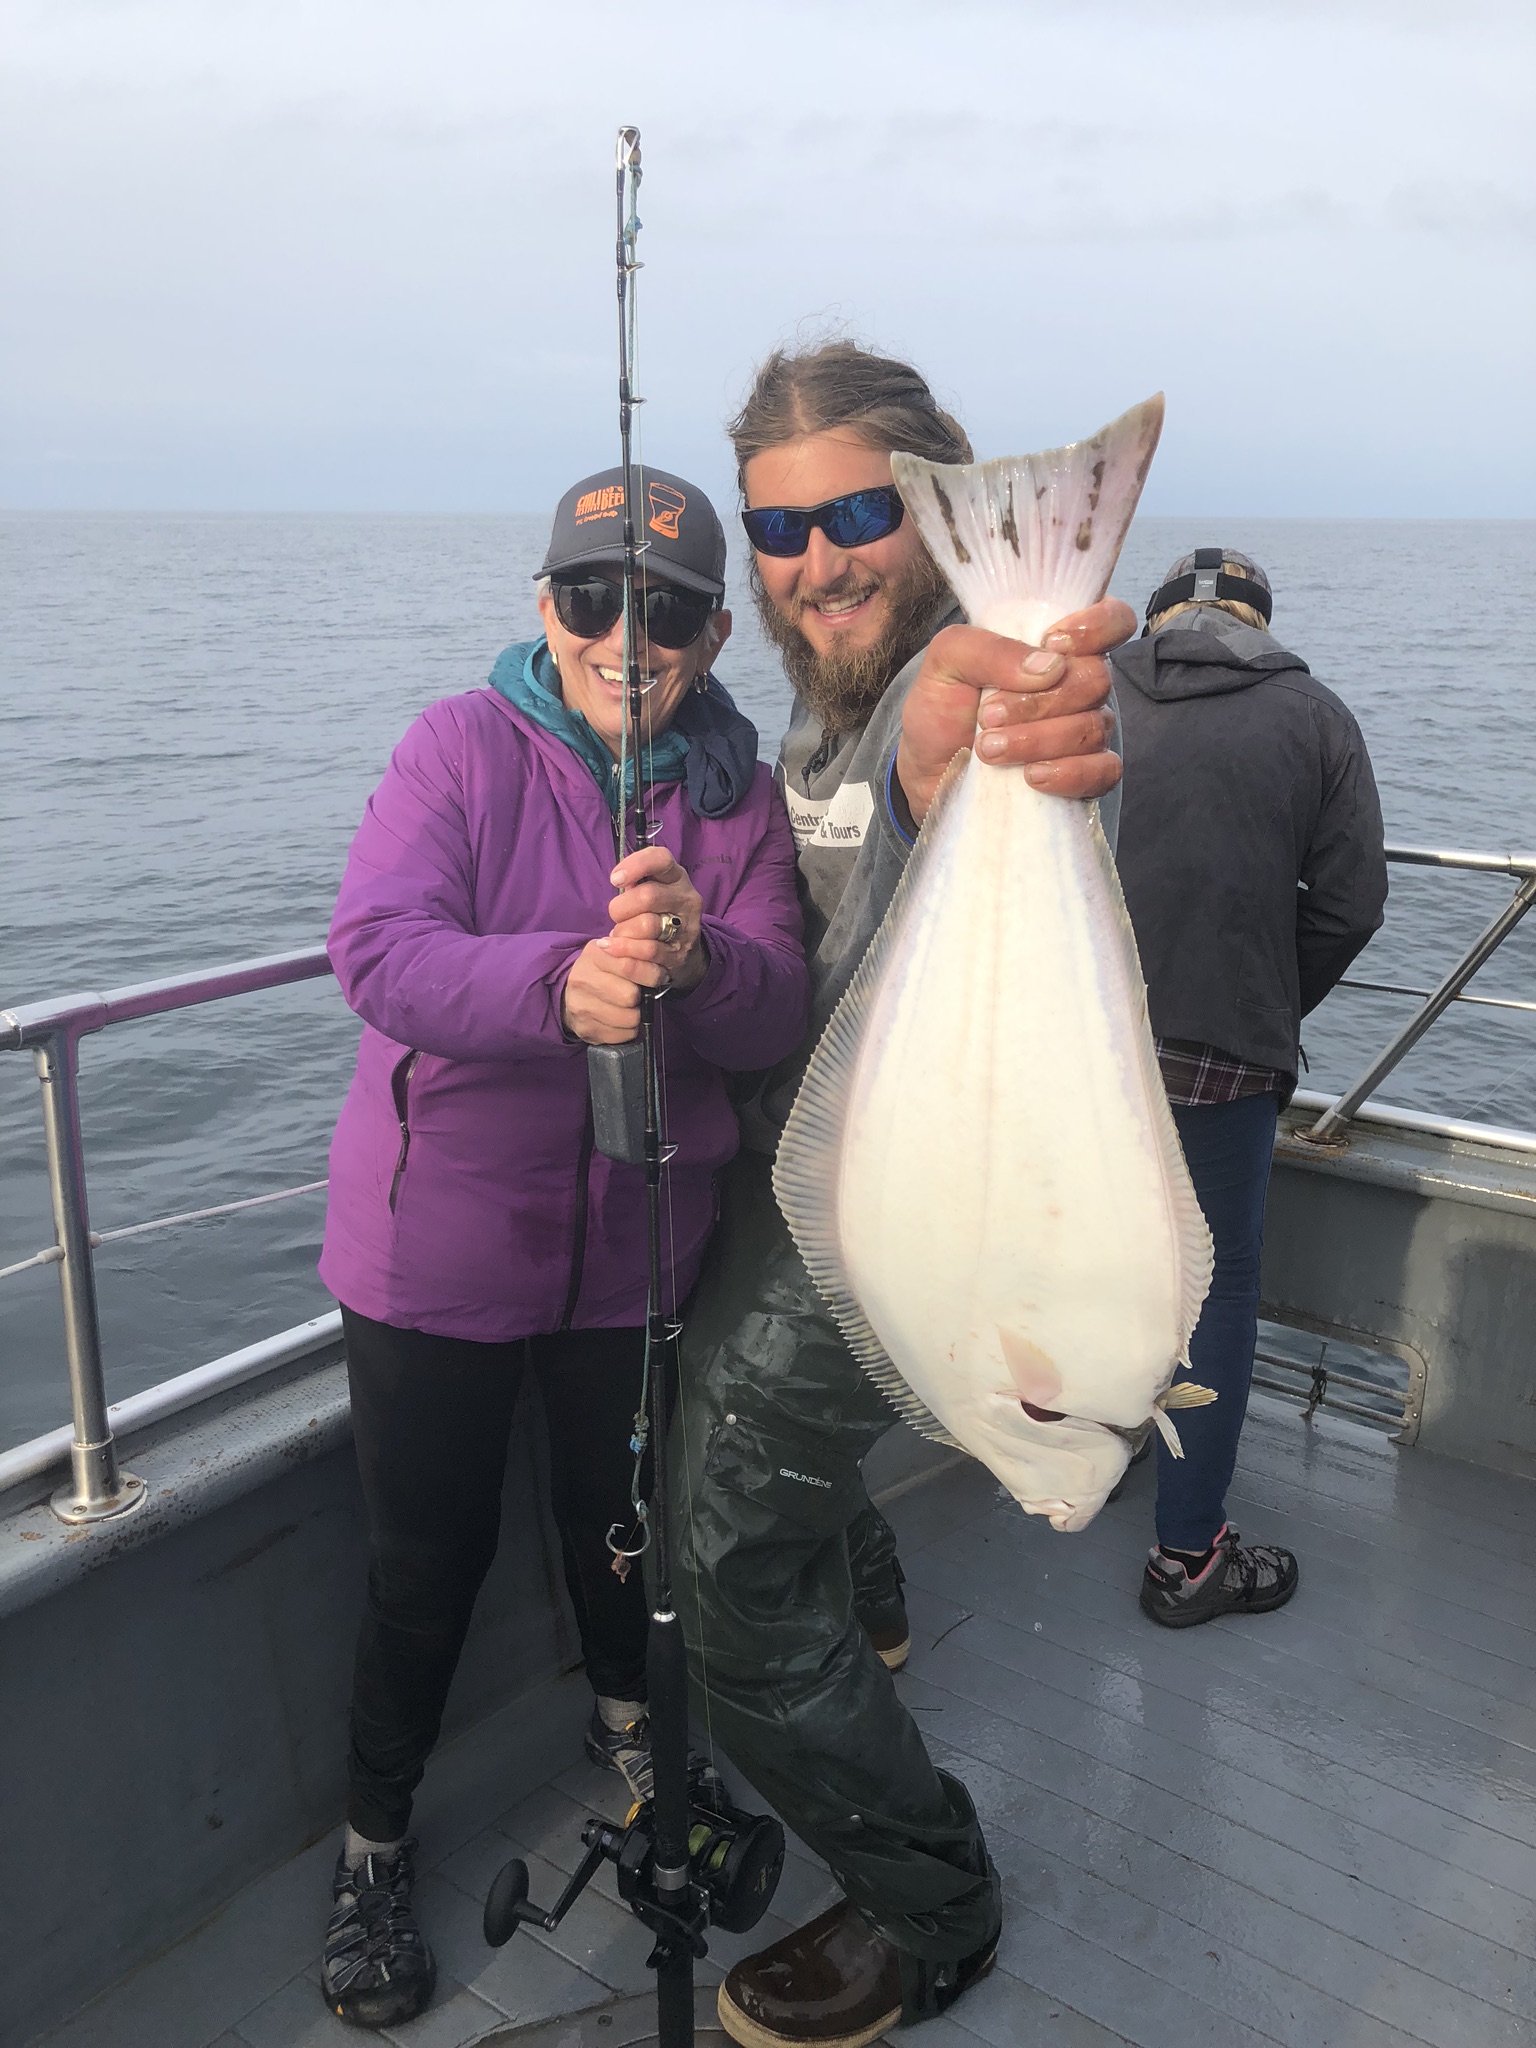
(886,403)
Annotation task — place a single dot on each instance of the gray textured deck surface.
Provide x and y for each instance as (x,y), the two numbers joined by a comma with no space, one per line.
(1315,1828)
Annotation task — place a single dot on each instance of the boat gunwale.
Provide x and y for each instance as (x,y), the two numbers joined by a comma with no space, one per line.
(41,1025)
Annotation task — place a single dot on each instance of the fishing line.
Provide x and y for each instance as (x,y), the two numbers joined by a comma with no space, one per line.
(1501,1084)
(660,1028)
(675,1324)
(698,1597)
(644,762)
(630,760)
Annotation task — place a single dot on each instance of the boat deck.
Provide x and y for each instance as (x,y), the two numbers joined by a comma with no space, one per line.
(1315,1828)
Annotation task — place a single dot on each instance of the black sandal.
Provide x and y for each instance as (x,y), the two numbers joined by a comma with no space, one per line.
(377,1970)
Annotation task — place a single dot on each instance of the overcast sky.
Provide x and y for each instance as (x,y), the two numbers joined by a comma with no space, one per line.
(358,253)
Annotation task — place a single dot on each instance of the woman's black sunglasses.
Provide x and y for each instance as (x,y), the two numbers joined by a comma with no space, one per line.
(848,522)
(591,606)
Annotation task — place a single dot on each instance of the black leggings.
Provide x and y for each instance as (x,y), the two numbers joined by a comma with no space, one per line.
(431,1417)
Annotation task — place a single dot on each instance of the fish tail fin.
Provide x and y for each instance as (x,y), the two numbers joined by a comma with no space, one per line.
(1025,540)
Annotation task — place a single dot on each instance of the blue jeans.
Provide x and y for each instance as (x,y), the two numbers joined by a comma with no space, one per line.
(1229,1147)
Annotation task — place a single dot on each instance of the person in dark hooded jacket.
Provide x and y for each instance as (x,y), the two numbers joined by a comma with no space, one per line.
(1251,856)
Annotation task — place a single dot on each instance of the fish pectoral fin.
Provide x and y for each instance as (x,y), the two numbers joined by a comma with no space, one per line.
(1166,1430)
(1033,1373)
(1187,1395)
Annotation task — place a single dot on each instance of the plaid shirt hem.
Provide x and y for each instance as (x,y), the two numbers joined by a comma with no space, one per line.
(1199,1076)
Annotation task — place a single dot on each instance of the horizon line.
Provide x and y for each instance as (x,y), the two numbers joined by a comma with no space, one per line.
(545,512)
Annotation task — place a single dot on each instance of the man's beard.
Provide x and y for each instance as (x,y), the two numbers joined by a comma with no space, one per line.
(842,689)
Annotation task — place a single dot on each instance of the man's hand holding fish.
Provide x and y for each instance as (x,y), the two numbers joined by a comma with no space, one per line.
(1040,708)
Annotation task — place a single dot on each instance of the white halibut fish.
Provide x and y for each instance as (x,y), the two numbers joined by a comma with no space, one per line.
(981,1170)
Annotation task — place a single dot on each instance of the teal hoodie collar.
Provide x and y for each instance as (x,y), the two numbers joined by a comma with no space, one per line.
(709,744)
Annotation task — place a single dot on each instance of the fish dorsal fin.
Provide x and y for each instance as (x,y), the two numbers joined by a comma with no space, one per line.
(807,1168)
(1191,1233)
(1027,539)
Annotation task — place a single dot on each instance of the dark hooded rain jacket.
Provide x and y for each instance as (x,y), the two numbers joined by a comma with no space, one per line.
(1250,836)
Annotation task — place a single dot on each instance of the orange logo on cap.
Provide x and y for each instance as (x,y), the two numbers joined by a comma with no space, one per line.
(666,509)
(600,504)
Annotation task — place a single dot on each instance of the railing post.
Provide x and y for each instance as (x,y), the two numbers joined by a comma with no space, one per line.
(97,1488)
(1485,944)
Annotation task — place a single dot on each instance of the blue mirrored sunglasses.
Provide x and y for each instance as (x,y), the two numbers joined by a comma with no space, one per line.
(852,521)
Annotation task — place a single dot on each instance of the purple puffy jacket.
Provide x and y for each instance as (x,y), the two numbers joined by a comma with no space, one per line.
(465,1197)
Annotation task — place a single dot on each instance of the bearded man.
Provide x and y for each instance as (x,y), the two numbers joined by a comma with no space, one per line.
(775,1413)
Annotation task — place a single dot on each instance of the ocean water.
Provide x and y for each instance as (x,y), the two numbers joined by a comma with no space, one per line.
(194,710)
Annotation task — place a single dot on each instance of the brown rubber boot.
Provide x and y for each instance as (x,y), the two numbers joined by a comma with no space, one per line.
(833,1983)
(836,1983)
(891,1645)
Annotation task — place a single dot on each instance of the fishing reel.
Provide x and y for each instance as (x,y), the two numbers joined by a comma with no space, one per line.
(734,1863)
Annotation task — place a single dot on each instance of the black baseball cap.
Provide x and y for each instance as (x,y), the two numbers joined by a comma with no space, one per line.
(677,530)
(1209,574)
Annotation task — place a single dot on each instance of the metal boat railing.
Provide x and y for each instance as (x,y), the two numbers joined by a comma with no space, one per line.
(1522,868)
(51,1031)
(1351,1373)
(98,1487)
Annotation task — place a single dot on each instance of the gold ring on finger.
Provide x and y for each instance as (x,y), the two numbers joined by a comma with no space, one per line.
(671,929)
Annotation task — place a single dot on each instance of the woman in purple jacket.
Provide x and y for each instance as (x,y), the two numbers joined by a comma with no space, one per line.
(486,936)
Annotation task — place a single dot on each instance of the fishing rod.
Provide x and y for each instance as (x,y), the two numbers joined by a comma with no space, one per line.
(666,1653)
(687,1857)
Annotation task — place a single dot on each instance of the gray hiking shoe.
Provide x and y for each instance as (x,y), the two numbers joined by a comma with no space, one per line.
(1252,1578)
(625,1750)
(628,1751)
